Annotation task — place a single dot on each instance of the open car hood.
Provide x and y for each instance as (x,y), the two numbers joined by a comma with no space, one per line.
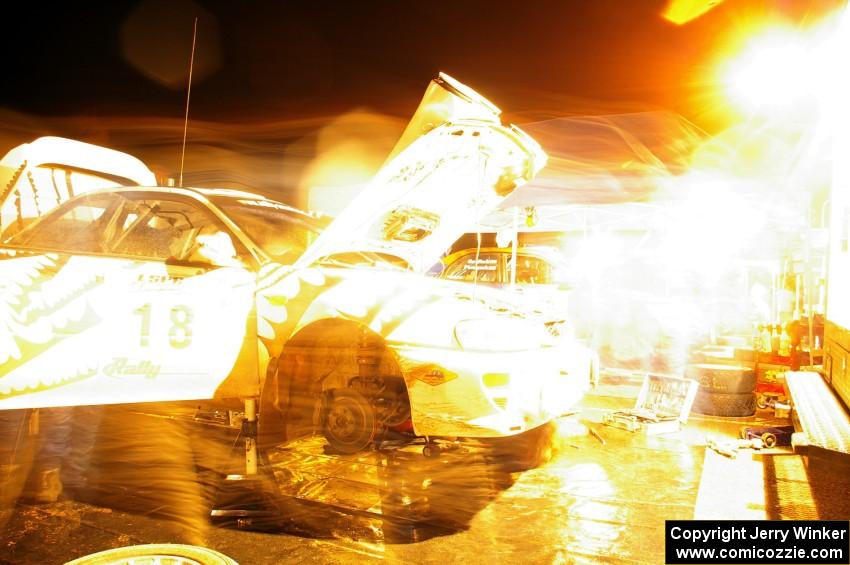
(453,164)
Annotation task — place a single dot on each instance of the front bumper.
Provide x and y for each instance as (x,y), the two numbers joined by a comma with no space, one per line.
(457,393)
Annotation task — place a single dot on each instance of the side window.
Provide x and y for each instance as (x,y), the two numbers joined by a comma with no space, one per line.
(135,225)
(162,229)
(532,270)
(81,227)
(467,268)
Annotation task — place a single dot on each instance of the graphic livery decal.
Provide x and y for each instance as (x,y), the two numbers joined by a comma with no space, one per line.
(37,311)
(72,327)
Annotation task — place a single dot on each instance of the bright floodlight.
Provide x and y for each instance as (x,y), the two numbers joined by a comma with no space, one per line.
(773,72)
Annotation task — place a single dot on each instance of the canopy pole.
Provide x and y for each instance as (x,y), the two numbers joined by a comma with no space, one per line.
(250,427)
(514,237)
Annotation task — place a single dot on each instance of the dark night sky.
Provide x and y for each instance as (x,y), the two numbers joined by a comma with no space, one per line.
(284,59)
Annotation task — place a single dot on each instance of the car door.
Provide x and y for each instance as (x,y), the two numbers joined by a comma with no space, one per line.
(129,307)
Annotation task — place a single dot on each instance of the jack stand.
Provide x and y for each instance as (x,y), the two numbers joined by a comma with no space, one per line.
(249,429)
(247,500)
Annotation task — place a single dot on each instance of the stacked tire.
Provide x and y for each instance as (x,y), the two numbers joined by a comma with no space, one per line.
(724,390)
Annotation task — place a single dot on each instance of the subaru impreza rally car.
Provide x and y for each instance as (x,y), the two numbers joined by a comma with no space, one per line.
(143,294)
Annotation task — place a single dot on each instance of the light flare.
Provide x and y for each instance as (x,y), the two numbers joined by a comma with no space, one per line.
(835,101)
(710,227)
(784,69)
(773,72)
(349,150)
(599,251)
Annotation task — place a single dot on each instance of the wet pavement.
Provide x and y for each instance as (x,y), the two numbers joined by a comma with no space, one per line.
(601,497)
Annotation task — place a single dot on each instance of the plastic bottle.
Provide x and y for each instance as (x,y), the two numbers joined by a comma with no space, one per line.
(765,338)
(776,330)
(784,341)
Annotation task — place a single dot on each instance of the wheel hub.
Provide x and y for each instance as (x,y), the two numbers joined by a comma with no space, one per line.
(350,424)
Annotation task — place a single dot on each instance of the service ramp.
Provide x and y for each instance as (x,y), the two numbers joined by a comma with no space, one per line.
(822,420)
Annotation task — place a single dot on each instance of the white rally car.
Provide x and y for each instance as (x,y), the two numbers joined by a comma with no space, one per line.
(141,294)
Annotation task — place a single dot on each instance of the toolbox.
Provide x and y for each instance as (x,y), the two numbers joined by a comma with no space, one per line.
(662,406)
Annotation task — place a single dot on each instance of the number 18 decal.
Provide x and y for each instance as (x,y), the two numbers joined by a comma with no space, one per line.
(180,331)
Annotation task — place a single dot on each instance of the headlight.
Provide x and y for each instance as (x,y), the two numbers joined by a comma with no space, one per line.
(500,334)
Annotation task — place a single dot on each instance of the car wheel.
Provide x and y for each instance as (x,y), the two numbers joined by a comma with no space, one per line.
(348,421)
(431,450)
(768,439)
(156,554)
(725,404)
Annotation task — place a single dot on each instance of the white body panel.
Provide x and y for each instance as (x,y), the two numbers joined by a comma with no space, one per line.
(95,324)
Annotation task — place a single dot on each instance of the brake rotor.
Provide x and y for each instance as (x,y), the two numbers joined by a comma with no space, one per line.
(349,421)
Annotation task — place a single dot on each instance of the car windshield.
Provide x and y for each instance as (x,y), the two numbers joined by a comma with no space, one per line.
(281,232)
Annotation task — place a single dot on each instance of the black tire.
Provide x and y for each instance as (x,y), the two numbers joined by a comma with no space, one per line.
(348,421)
(723,404)
(156,553)
(725,379)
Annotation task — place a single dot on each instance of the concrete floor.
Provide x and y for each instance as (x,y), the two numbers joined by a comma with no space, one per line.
(598,499)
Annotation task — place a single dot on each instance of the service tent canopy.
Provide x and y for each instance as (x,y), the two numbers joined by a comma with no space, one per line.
(609,160)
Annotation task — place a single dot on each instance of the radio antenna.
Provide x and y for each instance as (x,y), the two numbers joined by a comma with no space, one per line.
(188,96)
